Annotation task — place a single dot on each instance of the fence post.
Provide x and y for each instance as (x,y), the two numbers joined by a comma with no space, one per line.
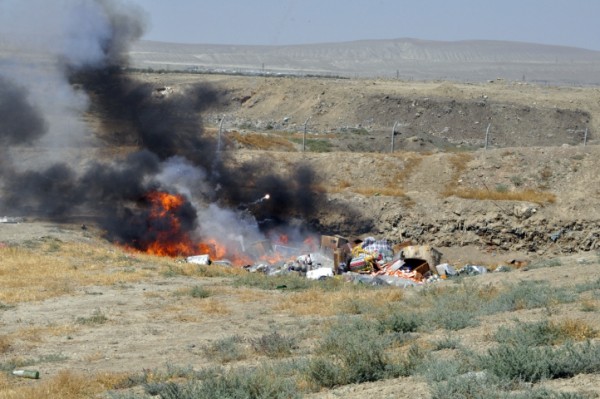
(393,134)
(220,131)
(304,135)
(585,137)
(487,135)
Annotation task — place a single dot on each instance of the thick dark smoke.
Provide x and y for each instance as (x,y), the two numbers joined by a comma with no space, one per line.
(76,49)
(20,122)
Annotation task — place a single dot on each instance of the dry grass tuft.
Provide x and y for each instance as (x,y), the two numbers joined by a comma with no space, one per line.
(576,330)
(538,197)
(459,163)
(316,301)
(5,344)
(375,191)
(257,141)
(213,307)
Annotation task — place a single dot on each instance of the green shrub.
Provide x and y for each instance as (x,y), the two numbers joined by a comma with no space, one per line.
(479,386)
(531,364)
(528,295)
(97,317)
(453,319)
(356,352)
(273,345)
(529,334)
(226,350)
(400,321)
(199,292)
(447,343)
(315,145)
(241,383)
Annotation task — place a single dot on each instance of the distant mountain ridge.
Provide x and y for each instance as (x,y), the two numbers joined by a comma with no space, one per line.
(474,60)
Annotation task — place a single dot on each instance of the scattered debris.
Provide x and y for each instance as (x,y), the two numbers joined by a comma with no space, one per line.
(10,219)
(359,260)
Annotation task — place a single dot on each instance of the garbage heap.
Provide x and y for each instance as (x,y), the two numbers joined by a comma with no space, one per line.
(362,260)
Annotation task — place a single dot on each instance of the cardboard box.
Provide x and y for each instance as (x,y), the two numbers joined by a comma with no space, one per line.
(332,242)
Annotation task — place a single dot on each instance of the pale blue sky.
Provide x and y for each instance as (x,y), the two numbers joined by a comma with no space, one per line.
(277,22)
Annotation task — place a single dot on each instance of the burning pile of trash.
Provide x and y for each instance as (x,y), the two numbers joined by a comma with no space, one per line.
(368,261)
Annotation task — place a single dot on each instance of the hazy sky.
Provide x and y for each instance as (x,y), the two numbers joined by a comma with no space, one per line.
(274,22)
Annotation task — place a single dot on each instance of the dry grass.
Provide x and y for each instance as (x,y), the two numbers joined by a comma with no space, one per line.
(213,306)
(37,334)
(459,163)
(245,295)
(5,344)
(257,141)
(576,330)
(316,301)
(55,268)
(538,197)
(374,191)
(399,172)
(65,385)
(182,268)
(411,162)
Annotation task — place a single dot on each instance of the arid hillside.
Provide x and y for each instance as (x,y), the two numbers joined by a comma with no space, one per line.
(406,59)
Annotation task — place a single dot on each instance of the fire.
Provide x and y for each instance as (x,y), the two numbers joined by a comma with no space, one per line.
(166,235)
(169,232)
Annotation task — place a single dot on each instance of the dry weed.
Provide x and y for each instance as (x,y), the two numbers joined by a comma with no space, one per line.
(5,344)
(576,330)
(259,141)
(529,195)
(213,307)
(37,334)
(374,191)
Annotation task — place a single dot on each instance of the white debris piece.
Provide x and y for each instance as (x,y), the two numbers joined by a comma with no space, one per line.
(320,273)
(199,259)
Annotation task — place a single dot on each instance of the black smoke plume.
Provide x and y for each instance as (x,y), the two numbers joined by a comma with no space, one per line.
(82,71)
(20,121)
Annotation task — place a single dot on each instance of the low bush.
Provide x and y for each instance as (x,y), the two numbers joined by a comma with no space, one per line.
(528,295)
(400,321)
(531,364)
(226,350)
(545,333)
(273,345)
(199,292)
(97,317)
(357,352)
(239,383)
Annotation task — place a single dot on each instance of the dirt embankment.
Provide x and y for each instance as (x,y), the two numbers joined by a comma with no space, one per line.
(358,115)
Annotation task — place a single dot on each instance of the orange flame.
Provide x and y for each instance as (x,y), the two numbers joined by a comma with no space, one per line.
(168,238)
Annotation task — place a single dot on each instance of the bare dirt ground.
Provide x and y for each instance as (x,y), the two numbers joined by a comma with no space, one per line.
(537,145)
